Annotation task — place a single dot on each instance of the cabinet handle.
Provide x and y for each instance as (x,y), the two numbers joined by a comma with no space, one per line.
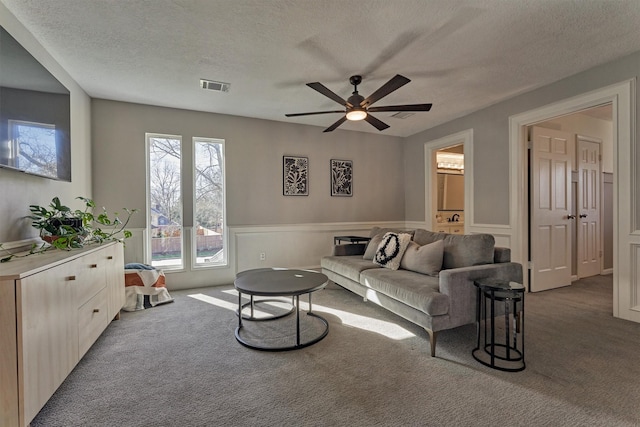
(583,215)
(110,257)
(93,266)
(70,278)
(96,310)
(571,217)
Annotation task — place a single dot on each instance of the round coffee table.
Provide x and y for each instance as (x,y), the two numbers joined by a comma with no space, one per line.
(278,282)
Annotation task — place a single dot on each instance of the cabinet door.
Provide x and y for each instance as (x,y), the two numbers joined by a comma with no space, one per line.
(441,229)
(47,334)
(8,355)
(114,255)
(92,321)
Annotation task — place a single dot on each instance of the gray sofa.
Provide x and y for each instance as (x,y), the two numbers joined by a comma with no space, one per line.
(434,300)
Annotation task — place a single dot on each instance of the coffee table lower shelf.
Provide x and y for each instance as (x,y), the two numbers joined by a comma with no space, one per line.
(296,307)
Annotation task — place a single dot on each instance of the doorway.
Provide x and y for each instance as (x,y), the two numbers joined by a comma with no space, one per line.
(450,174)
(626,276)
(449,210)
(570,208)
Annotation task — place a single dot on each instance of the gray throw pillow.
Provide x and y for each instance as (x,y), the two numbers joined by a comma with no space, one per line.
(425,259)
(372,247)
(391,249)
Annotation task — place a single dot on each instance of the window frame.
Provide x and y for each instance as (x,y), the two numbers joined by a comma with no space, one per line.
(148,254)
(194,228)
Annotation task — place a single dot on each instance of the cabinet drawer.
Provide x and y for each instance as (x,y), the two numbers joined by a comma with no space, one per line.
(456,229)
(92,320)
(89,277)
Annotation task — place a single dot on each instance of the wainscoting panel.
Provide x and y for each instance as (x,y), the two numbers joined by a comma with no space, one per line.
(634,289)
(502,233)
(291,246)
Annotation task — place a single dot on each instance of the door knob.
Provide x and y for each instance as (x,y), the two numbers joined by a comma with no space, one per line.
(583,215)
(571,217)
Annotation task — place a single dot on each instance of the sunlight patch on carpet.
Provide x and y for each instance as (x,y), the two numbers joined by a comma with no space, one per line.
(382,327)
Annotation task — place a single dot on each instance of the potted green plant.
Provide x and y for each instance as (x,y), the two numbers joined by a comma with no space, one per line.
(63,228)
(58,224)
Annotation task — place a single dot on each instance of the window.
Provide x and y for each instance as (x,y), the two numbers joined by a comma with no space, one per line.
(209,203)
(164,194)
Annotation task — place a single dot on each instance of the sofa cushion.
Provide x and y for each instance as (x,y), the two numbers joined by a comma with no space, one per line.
(413,289)
(425,259)
(460,250)
(382,231)
(391,249)
(347,266)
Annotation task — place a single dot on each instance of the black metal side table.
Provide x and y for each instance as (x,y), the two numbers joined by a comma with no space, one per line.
(351,239)
(496,298)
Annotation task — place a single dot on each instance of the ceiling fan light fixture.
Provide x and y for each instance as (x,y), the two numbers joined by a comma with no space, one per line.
(356,114)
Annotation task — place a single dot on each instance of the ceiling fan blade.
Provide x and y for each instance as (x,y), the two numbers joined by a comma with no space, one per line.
(395,83)
(328,93)
(378,124)
(313,113)
(411,107)
(336,124)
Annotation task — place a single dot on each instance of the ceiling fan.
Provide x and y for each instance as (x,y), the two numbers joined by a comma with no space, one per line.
(359,108)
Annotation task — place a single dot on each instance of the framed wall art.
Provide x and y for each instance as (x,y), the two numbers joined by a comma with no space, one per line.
(341,178)
(295,176)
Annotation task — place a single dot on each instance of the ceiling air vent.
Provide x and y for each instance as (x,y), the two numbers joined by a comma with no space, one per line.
(402,115)
(217,86)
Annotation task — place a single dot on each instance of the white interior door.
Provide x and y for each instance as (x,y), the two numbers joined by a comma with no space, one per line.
(550,208)
(588,203)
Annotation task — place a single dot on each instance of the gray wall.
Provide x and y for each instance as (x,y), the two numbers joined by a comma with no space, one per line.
(254,150)
(18,190)
(491,141)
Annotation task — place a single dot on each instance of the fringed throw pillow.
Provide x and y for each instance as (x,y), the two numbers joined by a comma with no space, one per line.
(391,249)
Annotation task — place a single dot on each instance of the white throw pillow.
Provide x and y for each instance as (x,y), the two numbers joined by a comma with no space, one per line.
(391,249)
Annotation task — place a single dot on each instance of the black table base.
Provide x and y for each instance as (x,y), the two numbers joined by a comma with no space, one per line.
(296,307)
(500,349)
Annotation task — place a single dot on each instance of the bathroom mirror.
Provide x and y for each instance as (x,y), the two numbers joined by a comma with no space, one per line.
(450,192)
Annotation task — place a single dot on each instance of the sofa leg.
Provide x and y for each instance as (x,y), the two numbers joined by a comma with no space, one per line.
(432,340)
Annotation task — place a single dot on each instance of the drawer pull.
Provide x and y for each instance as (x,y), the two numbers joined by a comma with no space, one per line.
(96,310)
(93,266)
(110,257)
(70,278)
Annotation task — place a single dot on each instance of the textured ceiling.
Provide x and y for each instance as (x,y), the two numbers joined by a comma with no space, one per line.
(460,55)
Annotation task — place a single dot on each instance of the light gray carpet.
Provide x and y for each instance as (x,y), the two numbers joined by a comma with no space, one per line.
(180,365)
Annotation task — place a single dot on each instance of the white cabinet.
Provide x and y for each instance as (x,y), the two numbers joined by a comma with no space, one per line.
(451,228)
(53,307)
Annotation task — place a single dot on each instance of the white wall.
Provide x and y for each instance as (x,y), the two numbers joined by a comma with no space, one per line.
(19,190)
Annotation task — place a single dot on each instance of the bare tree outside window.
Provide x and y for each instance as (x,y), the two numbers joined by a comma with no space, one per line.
(209,201)
(165,201)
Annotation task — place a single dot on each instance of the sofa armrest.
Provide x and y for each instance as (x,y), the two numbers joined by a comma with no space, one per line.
(349,249)
(501,254)
(457,283)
